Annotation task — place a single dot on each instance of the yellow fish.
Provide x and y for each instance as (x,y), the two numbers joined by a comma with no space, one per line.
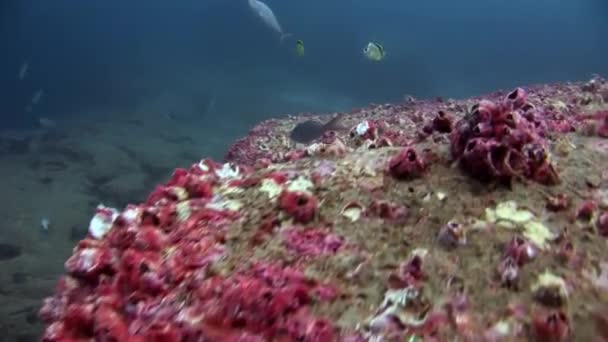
(299,48)
(374,52)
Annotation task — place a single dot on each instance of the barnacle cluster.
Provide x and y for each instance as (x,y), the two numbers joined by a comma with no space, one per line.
(407,164)
(499,141)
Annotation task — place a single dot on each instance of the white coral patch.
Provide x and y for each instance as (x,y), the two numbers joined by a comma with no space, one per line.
(222,203)
(203,166)
(228,171)
(131,214)
(102,222)
(352,212)
(270,187)
(87,258)
(362,128)
(183,210)
(508,215)
(301,184)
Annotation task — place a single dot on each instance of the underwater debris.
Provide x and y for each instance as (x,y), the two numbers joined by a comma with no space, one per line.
(352,211)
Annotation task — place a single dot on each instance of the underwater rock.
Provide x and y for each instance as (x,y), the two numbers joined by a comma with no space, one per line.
(292,243)
(9,251)
(548,108)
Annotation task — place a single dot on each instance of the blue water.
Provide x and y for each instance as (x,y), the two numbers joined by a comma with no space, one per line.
(220,70)
(116,55)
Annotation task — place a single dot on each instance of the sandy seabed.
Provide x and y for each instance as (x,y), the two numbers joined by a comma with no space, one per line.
(63,174)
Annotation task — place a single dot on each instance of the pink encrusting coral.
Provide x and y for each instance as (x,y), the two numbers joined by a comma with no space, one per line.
(378,232)
(152,277)
(312,242)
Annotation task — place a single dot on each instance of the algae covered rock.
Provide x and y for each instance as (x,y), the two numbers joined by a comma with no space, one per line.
(371,235)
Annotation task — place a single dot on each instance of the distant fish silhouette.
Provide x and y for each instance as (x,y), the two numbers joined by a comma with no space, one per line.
(265,13)
(309,130)
(37,96)
(23,71)
(45,225)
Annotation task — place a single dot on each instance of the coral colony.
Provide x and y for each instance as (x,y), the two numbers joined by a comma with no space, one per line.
(435,220)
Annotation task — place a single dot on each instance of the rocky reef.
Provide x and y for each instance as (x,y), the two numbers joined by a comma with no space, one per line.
(482,219)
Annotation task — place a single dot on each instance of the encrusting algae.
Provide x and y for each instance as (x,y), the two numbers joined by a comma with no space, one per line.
(432,220)
(507,215)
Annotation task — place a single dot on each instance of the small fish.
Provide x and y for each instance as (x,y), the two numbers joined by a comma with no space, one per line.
(45,224)
(309,130)
(300,48)
(374,52)
(265,13)
(23,70)
(37,96)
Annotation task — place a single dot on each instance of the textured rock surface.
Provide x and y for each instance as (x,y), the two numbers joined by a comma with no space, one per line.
(386,230)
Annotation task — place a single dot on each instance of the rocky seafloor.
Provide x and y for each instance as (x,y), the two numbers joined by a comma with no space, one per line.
(483,219)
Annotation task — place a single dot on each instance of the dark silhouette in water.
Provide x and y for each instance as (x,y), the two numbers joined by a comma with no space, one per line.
(9,251)
(309,130)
